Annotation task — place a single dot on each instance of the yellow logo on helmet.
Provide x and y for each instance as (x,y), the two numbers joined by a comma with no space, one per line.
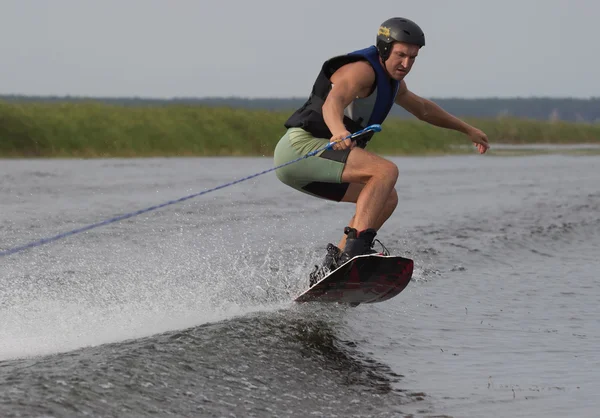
(384,31)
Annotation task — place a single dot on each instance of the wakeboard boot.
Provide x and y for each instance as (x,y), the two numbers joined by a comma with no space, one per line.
(330,263)
(357,243)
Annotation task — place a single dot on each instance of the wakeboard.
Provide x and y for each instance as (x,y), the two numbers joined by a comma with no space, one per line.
(369,278)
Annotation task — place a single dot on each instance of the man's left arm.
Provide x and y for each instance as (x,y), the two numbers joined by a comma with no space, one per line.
(432,113)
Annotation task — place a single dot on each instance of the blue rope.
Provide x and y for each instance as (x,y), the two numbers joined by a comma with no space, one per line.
(371,128)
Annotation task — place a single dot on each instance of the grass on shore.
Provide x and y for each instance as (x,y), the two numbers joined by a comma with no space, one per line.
(92,130)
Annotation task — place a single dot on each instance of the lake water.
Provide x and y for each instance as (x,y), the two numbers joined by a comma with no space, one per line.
(186,310)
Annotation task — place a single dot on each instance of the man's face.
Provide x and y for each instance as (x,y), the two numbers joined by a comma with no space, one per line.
(401,60)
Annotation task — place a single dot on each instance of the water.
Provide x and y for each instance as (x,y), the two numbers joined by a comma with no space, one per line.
(185,311)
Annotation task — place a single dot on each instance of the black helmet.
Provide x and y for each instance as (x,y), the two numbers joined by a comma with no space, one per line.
(398,29)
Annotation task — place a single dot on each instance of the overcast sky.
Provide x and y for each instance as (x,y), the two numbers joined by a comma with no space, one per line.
(274,48)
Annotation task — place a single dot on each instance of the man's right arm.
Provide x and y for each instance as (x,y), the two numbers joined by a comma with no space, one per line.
(349,82)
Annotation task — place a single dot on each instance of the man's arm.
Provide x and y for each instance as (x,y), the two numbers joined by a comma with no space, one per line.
(349,82)
(430,112)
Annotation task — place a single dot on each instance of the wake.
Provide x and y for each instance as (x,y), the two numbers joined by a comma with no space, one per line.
(77,304)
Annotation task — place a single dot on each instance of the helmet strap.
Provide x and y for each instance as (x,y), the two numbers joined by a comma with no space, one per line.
(384,50)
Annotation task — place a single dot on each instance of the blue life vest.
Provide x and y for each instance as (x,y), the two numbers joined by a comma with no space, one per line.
(362,112)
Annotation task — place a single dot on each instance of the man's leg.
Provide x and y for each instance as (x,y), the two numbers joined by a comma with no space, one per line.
(373,180)
(379,177)
(351,196)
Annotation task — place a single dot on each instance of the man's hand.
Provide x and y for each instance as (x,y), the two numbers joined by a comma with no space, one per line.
(340,142)
(480,139)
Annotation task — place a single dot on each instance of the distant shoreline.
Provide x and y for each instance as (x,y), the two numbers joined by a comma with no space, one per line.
(98,130)
(544,109)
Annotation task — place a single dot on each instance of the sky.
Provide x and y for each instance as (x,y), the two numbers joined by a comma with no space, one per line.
(275,48)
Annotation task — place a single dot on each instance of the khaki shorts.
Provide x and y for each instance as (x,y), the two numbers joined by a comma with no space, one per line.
(319,175)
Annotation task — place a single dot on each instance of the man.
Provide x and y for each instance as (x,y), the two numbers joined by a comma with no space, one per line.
(351,92)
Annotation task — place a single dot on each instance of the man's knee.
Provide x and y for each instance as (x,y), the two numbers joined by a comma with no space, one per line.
(392,201)
(392,170)
(387,170)
(363,166)
(384,170)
